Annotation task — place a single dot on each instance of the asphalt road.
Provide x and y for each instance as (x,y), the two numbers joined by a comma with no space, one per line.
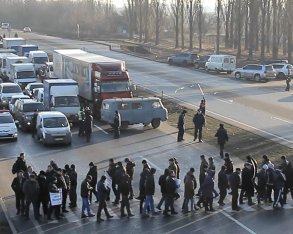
(156,146)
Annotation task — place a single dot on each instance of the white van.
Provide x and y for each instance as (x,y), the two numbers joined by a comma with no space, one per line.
(221,63)
(39,58)
(53,128)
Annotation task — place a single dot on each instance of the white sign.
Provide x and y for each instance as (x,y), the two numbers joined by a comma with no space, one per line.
(56,198)
(108,182)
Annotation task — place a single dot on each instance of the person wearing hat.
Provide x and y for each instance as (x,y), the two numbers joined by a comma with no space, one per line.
(261,185)
(223,185)
(180,126)
(117,124)
(85,189)
(20,164)
(222,136)
(73,179)
(247,185)
(93,172)
(130,171)
(199,123)
(16,186)
(235,181)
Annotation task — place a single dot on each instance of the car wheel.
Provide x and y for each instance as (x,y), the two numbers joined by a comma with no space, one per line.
(237,75)
(257,77)
(170,62)
(196,66)
(207,70)
(156,123)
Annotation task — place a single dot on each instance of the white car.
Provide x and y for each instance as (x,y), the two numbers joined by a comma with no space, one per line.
(7,90)
(13,101)
(27,29)
(255,72)
(283,70)
(28,90)
(8,128)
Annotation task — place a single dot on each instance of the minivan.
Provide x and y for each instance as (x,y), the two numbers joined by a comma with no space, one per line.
(134,111)
(53,128)
(221,63)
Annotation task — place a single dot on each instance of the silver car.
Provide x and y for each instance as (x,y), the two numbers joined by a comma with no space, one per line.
(183,59)
(255,72)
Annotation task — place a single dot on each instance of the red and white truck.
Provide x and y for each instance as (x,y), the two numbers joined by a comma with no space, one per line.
(98,77)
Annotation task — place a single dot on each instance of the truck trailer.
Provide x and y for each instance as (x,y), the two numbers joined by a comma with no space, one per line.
(13,42)
(23,50)
(22,74)
(98,77)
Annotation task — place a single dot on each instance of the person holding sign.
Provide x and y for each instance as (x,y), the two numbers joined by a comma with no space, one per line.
(55,199)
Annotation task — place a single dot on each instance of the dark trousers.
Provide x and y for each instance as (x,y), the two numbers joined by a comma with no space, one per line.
(73,195)
(163,198)
(116,192)
(116,132)
(35,207)
(64,198)
(199,131)
(125,204)
(278,197)
(286,191)
(56,210)
(222,149)
(81,128)
(131,189)
(208,203)
(169,203)
(180,134)
(44,202)
(88,136)
(269,192)
(261,194)
(19,203)
(102,206)
(93,191)
(235,196)
(223,194)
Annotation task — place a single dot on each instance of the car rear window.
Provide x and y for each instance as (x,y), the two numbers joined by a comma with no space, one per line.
(11,89)
(278,66)
(31,107)
(6,119)
(269,68)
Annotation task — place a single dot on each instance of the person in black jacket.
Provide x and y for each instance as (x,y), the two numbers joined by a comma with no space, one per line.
(66,190)
(103,193)
(72,193)
(170,194)
(85,189)
(142,180)
(117,124)
(149,193)
(162,183)
(17,185)
(279,184)
(52,187)
(44,192)
(223,185)
(111,172)
(130,171)
(93,172)
(247,185)
(222,136)
(34,123)
(199,123)
(20,164)
(124,188)
(235,185)
(88,125)
(180,126)
(119,172)
(262,178)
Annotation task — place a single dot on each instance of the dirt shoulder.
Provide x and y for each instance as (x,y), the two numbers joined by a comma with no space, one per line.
(241,142)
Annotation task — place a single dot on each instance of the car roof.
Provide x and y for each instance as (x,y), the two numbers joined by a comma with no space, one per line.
(35,83)
(9,84)
(28,101)
(5,113)
(20,96)
(131,100)
(51,114)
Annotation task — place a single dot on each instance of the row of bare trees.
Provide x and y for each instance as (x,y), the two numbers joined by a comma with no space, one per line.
(254,28)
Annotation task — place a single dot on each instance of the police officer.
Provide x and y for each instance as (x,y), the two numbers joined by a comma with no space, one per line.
(199,123)
(81,120)
(180,126)
(117,124)
(222,136)
(88,125)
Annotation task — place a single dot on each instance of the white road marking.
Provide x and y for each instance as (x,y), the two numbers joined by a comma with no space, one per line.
(101,129)
(286,121)
(179,89)
(237,222)
(225,101)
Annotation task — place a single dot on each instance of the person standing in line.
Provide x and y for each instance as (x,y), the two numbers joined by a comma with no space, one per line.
(180,126)
(111,171)
(52,187)
(288,172)
(162,183)
(93,172)
(222,136)
(170,194)
(270,181)
(20,164)
(117,124)
(66,190)
(103,193)
(173,166)
(142,181)
(31,190)
(17,185)
(207,190)
(223,185)
(61,184)
(130,171)
(199,123)
(247,185)
(85,189)
(178,168)
(88,125)
(279,184)
(189,187)
(34,123)
(44,192)
(72,193)
(124,188)
(119,172)
(235,185)
(81,120)
(228,164)
(262,178)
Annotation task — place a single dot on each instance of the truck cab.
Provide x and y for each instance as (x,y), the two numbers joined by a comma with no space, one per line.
(38,58)
(22,74)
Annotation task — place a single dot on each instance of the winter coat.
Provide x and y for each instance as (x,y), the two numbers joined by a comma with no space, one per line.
(93,172)
(142,182)
(247,181)
(207,187)
(150,184)
(222,135)
(229,166)
(262,178)
(181,119)
(117,121)
(111,170)
(162,183)
(222,180)
(279,179)
(173,167)
(234,180)
(130,169)
(211,166)
(203,165)
(198,120)
(73,177)
(20,165)
(17,185)
(88,124)
(124,185)
(102,191)
(271,173)
(85,188)
(189,188)
(44,191)
(119,173)
(170,186)
(254,166)
(189,175)
(31,190)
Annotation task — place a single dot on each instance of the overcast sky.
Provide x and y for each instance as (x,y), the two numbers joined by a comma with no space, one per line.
(209,5)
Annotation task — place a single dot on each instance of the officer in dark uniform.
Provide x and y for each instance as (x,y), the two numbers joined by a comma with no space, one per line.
(180,126)
(81,120)
(222,136)
(117,124)
(235,181)
(88,125)
(199,123)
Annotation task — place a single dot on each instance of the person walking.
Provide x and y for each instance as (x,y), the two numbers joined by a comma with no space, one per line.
(81,121)
(222,136)
(124,188)
(103,193)
(111,171)
(88,125)
(34,123)
(130,171)
(119,172)
(162,183)
(207,189)
(17,185)
(288,80)
(31,190)
(20,164)
(180,126)
(199,123)
(235,181)
(85,193)
(117,124)
(72,192)
(93,172)
(223,185)
(170,194)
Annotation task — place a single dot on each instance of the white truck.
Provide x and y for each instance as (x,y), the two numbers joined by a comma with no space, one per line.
(62,95)
(3,57)
(12,60)
(13,42)
(39,58)
(22,73)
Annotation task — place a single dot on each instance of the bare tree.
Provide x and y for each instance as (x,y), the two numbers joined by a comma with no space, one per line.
(200,22)
(219,6)
(289,7)
(175,10)
(182,15)
(159,11)
(263,7)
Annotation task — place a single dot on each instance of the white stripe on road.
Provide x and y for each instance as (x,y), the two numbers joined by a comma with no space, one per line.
(225,101)
(101,129)
(237,222)
(286,121)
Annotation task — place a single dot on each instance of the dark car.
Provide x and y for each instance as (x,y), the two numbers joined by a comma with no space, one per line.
(201,62)
(183,59)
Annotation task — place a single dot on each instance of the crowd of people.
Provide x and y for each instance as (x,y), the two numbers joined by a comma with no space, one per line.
(261,180)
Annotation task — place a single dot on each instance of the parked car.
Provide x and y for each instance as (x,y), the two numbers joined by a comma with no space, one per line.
(183,59)
(8,128)
(5,25)
(53,128)
(268,62)
(255,72)
(27,30)
(28,90)
(13,101)
(7,90)
(283,70)
(201,62)
(24,110)
(221,63)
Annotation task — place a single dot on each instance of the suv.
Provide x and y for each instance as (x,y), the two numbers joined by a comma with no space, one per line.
(283,70)
(7,90)
(201,62)
(8,128)
(255,72)
(24,110)
(183,59)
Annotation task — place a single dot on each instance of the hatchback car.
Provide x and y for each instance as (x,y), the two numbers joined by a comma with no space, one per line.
(183,59)
(201,62)
(7,90)
(13,102)
(8,128)
(28,90)
(27,30)
(283,70)
(255,72)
